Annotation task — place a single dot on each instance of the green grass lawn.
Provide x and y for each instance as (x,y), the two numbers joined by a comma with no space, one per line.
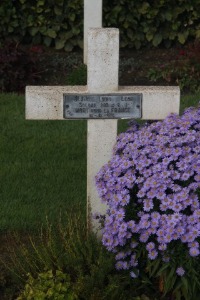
(43,165)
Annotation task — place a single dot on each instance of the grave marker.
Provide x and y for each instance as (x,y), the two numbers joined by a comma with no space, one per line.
(49,102)
(92,19)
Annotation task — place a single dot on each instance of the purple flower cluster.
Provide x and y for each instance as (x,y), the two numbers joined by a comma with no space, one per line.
(180,271)
(151,186)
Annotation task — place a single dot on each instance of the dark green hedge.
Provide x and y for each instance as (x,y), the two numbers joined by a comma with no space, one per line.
(155,21)
(49,22)
(59,23)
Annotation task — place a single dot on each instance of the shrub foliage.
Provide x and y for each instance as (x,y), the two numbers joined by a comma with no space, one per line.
(60,23)
(48,286)
(153,22)
(47,22)
(65,262)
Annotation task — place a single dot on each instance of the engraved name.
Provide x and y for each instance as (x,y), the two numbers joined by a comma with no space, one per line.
(102,106)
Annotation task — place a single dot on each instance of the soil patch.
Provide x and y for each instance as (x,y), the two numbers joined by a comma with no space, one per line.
(56,66)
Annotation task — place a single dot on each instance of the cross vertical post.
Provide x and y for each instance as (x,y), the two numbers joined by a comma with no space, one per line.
(103,63)
(92,19)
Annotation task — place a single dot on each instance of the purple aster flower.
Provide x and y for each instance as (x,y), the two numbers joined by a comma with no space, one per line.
(194,251)
(107,240)
(120,255)
(150,246)
(154,224)
(193,244)
(144,237)
(152,254)
(160,232)
(162,247)
(168,238)
(120,215)
(151,187)
(134,274)
(177,207)
(185,176)
(176,217)
(144,224)
(119,265)
(147,205)
(180,271)
(155,215)
(163,207)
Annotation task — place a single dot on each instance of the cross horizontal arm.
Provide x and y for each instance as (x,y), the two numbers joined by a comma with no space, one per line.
(46,102)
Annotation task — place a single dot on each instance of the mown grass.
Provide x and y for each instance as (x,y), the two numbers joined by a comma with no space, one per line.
(42,165)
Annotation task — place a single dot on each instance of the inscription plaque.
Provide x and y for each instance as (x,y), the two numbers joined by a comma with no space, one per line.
(102,106)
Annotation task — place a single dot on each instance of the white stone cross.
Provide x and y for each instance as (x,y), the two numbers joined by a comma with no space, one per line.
(46,102)
(92,19)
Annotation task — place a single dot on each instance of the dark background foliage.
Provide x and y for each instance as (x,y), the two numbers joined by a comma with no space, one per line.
(59,23)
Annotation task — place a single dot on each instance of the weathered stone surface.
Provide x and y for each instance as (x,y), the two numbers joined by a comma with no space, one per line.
(92,19)
(46,102)
(103,60)
(158,101)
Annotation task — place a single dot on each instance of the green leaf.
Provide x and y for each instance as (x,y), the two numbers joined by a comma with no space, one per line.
(143,9)
(33,31)
(126,24)
(43,30)
(47,41)
(185,293)
(181,38)
(157,39)
(40,2)
(172,35)
(10,29)
(185,283)
(178,295)
(39,10)
(64,35)
(51,33)
(59,44)
(155,266)
(169,280)
(197,33)
(175,26)
(178,285)
(57,11)
(68,47)
(72,17)
(171,272)
(130,33)
(149,36)
(168,16)
(164,267)
(75,31)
